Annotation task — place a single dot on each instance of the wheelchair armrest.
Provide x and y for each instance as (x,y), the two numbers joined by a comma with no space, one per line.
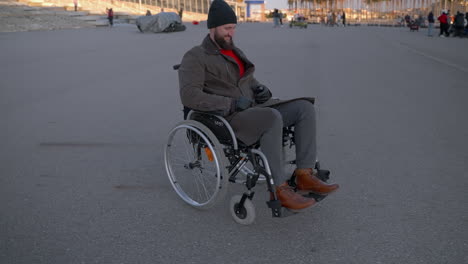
(188,111)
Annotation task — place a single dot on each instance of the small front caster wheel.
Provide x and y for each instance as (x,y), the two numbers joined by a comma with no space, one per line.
(244,215)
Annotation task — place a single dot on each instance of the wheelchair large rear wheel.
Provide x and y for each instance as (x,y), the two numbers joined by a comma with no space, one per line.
(196,164)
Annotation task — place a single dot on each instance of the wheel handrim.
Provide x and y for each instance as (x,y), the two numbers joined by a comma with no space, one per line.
(206,189)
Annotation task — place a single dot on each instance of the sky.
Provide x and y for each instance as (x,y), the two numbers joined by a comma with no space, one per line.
(280,4)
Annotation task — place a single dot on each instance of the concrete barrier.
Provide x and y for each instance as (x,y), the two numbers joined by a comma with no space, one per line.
(54,8)
(35,2)
(121,15)
(31,8)
(132,19)
(91,18)
(100,23)
(71,7)
(121,21)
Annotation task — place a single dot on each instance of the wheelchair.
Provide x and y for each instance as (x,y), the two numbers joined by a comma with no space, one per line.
(202,155)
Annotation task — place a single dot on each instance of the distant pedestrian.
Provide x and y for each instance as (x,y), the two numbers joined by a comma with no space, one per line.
(280,16)
(466,23)
(344,18)
(275,16)
(181,12)
(459,24)
(421,20)
(402,22)
(443,19)
(75,2)
(430,20)
(110,16)
(333,19)
(148,12)
(449,17)
(407,20)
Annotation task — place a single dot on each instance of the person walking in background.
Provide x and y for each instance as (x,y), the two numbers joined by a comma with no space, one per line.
(344,18)
(75,2)
(110,16)
(459,24)
(443,24)
(181,12)
(466,23)
(275,18)
(450,27)
(407,20)
(148,12)
(449,17)
(280,17)
(430,20)
(421,20)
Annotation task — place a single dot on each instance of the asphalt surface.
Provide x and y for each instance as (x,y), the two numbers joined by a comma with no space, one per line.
(84,119)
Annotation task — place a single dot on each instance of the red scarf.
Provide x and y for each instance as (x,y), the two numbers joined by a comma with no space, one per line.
(233,55)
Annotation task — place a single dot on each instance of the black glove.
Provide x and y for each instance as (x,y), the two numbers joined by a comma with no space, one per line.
(242,103)
(262,94)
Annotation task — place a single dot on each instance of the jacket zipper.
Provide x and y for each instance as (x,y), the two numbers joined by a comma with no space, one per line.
(229,72)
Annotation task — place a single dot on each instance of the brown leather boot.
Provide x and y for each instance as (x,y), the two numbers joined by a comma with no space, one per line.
(306,180)
(291,199)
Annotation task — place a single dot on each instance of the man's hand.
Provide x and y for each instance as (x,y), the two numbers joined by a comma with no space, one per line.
(242,103)
(262,94)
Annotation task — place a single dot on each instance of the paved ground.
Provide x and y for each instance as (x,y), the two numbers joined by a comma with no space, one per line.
(85,114)
(16,16)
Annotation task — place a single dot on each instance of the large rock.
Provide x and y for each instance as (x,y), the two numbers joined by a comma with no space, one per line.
(162,22)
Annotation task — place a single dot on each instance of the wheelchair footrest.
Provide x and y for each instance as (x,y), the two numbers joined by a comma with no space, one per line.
(278,211)
(275,206)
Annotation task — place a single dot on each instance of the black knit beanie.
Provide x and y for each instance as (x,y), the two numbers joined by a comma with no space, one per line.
(220,14)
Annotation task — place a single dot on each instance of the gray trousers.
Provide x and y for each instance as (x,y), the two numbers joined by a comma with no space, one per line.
(301,114)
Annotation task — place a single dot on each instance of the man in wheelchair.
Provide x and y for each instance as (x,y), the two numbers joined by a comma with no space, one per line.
(217,77)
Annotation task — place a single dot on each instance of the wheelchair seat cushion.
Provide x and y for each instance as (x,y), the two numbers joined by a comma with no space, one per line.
(216,126)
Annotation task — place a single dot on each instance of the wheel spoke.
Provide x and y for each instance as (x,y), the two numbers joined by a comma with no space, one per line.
(181,159)
(188,149)
(202,183)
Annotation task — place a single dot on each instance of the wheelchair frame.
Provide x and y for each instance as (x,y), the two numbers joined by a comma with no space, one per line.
(238,156)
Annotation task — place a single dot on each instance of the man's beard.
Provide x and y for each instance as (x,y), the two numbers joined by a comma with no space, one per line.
(223,43)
